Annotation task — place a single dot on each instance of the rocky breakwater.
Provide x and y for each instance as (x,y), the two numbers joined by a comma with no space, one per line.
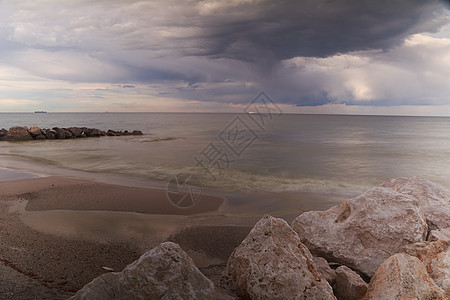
(23,133)
(388,243)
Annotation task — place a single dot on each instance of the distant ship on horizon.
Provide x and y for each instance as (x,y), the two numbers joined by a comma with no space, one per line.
(40,112)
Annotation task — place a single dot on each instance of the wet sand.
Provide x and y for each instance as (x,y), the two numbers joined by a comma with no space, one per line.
(59,193)
(57,234)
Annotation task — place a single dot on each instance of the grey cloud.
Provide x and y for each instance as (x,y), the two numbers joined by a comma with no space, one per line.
(243,30)
(284,29)
(223,51)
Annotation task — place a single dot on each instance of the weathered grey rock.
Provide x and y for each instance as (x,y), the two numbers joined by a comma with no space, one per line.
(50,134)
(349,285)
(364,231)
(111,132)
(435,256)
(35,131)
(165,272)
(62,133)
(439,234)
(432,198)
(18,133)
(77,132)
(272,263)
(325,270)
(93,132)
(3,133)
(403,277)
(40,137)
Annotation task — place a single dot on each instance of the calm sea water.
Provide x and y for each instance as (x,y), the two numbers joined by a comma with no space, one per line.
(327,154)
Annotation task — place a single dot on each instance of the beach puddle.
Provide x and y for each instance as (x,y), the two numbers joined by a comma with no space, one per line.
(103,227)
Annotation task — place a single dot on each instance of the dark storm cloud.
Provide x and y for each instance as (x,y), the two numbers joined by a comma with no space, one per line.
(302,52)
(284,29)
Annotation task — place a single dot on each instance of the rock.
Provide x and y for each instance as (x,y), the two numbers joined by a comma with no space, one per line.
(137,132)
(35,131)
(62,133)
(442,234)
(272,263)
(432,198)
(403,277)
(40,137)
(96,132)
(349,285)
(77,132)
(111,133)
(3,133)
(324,269)
(50,134)
(364,231)
(165,272)
(93,132)
(435,256)
(18,133)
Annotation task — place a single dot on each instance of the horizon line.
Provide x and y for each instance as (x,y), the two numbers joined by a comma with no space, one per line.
(205,112)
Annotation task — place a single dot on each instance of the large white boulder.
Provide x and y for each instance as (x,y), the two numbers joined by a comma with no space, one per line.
(364,231)
(165,272)
(272,263)
(431,197)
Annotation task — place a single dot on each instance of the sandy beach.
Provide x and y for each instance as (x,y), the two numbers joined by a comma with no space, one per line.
(57,233)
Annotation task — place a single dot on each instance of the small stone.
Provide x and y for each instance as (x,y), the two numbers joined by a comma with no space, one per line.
(324,269)
(439,234)
(349,285)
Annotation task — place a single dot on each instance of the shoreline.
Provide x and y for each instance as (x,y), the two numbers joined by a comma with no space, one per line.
(54,252)
(58,233)
(61,211)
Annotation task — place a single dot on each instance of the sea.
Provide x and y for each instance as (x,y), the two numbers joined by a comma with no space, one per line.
(281,162)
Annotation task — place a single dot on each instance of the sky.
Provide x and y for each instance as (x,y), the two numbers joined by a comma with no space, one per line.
(309,56)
